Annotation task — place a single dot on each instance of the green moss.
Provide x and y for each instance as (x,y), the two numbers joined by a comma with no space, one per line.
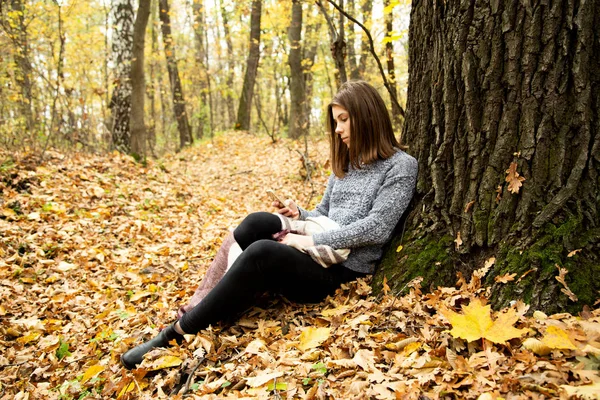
(427,257)
(539,262)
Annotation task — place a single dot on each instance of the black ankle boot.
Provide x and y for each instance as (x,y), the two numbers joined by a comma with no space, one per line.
(134,357)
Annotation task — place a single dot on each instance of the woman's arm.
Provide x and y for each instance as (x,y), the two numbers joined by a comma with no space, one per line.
(392,199)
(322,209)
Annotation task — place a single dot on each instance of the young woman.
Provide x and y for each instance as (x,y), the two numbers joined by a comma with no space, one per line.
(371,186)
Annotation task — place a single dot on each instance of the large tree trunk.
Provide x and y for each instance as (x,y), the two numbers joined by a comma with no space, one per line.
(298,117)
(493,90)
(245,106)
(138,83)
(185,133)
(122,48)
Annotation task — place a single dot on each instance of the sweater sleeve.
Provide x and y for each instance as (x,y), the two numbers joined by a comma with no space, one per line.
(322,209)
(391,201)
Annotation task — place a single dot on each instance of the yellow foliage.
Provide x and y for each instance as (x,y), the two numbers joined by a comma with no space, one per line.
(313,337)
(476,323)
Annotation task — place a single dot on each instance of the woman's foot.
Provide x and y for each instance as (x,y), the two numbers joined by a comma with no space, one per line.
(135,356)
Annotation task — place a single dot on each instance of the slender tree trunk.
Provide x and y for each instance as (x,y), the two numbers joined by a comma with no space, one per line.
(389,52)
(364,43)
(17,31)
(122,48)
(352,56)
(138,83)
(230,67)
(185,133)
(245,106)
(495,91)
(338,44)
(310,53)
(200,33)
(297,89)
(153,84)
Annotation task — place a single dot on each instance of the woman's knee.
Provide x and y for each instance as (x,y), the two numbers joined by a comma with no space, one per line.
(256,226)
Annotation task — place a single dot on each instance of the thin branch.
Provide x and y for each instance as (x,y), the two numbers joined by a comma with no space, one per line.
(372,48)
(330,23)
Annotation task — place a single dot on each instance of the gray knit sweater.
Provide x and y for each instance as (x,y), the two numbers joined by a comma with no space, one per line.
(367,203)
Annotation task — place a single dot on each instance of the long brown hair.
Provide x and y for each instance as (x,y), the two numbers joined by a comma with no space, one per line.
(371,133)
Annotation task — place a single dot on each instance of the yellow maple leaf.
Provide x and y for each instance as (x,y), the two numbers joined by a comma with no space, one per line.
(476,323)
(313,337)
(556,338)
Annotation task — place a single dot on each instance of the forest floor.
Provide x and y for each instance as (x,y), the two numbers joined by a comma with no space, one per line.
(98,252)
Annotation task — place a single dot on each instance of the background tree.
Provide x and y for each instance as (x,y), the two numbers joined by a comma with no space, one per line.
(185,133)
(122,50)
(245,105)
(298,116)
(503,116)
(13,16)
(138,83)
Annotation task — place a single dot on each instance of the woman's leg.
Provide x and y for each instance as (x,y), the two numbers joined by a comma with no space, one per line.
(265,265)
(256,226)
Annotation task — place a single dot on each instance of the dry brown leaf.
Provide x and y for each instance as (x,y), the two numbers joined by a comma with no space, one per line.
(513,178)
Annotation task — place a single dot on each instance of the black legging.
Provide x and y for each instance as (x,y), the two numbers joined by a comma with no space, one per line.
(264,265)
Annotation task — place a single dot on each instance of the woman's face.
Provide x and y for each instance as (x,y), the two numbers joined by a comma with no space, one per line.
(342,123)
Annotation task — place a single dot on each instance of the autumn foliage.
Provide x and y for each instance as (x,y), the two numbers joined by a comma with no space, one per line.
(97,253)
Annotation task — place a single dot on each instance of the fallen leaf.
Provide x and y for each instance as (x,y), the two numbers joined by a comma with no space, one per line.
(556,338)
(476,323)
(91,372)
(261,379)
(386,288)
(513,178)
(399,249)
(536,346)
(469,205)
(572,253)
(583,392)
(505,278)
(313,337)
(458,240)
(562,272)
(165,362)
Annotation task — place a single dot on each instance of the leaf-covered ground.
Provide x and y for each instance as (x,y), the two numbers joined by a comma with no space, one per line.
(98,252)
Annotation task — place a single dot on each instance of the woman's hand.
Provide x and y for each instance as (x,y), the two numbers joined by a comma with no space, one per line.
(288,209)
(299,242)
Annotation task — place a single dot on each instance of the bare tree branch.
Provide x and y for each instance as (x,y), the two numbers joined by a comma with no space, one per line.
(372,48)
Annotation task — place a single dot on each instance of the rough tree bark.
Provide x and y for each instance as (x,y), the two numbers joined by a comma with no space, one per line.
(494,86)
(138,82)
(122,48)
(298,117)
(185,133)
(245,106)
